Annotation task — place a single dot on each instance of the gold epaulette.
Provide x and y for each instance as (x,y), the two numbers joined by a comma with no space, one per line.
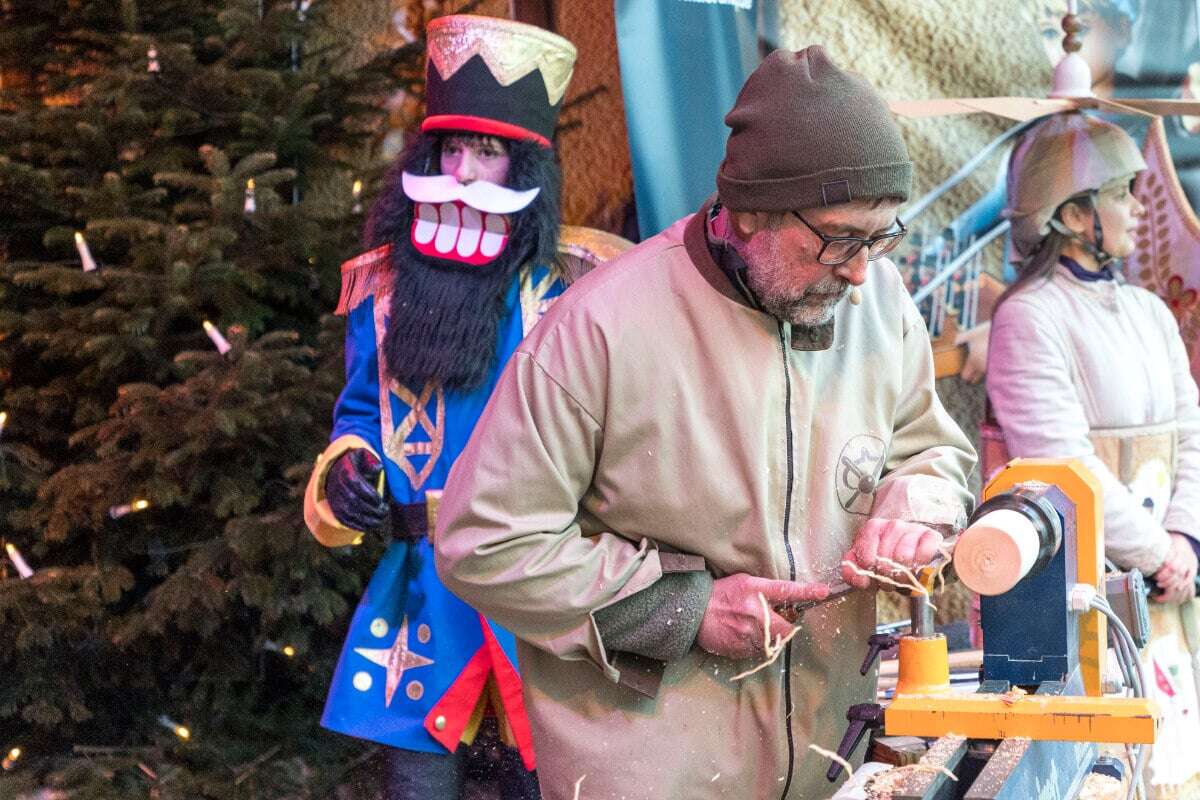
(360,276)
(580,249)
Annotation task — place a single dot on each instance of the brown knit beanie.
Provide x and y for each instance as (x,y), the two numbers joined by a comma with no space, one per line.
(805,133)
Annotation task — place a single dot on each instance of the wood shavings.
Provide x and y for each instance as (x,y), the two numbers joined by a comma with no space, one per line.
(770,649)
(920,767)
(1011,697)
(821,751)
(774,650)
(904,780)
(946,549)
(866,573)
(883,785)
(1101,787)
(906,572)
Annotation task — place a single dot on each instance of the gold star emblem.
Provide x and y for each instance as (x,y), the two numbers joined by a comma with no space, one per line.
(395,659)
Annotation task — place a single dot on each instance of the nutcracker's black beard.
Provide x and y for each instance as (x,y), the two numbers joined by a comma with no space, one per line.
(444,315)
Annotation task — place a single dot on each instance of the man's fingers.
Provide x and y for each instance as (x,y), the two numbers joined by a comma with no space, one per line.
(778,592)
(905,551)
(780,627)
(927,548)
(863,554)
(851,577)
(891,538)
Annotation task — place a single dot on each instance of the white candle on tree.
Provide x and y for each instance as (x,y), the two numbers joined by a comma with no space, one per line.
(214,333)
(14,555)
(85,253)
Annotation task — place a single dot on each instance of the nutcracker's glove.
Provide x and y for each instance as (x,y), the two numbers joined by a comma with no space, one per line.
(350,491)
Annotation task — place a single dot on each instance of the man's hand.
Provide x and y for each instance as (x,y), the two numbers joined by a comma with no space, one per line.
(1177,575)
(350,490)
(909,543)
(733,622)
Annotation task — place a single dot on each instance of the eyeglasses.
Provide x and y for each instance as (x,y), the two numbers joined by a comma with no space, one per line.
(840,249)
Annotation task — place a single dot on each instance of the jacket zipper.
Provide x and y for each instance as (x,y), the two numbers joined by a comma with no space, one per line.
(787,546)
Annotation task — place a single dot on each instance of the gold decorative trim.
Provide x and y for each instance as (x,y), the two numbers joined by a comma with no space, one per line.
(395,438)
(581,249)
(433,498)
(396,444)
(510,49)
(533,298)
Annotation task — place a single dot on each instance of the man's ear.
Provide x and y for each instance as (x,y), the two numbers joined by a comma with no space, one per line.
(746,223)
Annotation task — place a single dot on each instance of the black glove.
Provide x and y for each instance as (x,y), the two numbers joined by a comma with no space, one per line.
(350,490)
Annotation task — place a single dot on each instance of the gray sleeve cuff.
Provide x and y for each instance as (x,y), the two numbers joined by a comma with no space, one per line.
(659,622)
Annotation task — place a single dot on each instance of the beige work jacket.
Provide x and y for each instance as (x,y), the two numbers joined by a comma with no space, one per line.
(653,409)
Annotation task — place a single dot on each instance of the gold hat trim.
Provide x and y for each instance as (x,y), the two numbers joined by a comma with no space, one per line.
(510,49)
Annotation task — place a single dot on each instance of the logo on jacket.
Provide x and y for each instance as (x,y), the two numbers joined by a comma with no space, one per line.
(858,469)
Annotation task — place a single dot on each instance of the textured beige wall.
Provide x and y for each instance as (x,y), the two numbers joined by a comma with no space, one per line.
(931,48)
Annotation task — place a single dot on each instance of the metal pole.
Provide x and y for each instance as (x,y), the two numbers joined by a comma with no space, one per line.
(923,204)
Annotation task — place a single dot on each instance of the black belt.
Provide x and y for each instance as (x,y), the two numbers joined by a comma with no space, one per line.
(409,521)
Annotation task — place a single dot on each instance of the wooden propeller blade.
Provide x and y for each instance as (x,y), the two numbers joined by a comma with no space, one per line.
(1161,107)
(1014,108)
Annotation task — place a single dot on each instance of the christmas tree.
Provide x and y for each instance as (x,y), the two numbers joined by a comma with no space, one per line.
(179,181)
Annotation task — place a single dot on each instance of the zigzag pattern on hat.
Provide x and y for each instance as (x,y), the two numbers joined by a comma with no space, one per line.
(510,49)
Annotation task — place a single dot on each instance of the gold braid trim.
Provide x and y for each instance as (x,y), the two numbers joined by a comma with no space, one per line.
(360,276)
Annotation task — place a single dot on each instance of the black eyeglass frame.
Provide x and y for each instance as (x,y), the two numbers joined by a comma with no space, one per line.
(890,240)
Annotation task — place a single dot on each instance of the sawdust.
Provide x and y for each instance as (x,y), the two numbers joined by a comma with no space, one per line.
(1101,787)
(883,785)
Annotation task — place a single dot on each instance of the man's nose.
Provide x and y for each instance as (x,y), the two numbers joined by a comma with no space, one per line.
(854,271)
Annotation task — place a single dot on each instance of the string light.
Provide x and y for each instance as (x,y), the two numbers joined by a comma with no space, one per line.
(174,727)
(116,512)
(152,65)
(356,193)
(286,649)
(3,421)
(10,760)
(85,252)
(249,206)
(214,333)
(14,555)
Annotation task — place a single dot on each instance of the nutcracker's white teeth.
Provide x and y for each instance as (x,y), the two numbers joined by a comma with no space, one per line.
(458,232)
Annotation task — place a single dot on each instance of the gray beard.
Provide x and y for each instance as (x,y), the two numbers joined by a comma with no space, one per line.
(813,308)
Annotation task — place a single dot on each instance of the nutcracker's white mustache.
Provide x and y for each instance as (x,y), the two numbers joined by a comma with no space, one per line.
(490,198)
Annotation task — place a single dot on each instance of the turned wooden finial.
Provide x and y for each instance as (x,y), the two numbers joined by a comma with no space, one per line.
(1071,26)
